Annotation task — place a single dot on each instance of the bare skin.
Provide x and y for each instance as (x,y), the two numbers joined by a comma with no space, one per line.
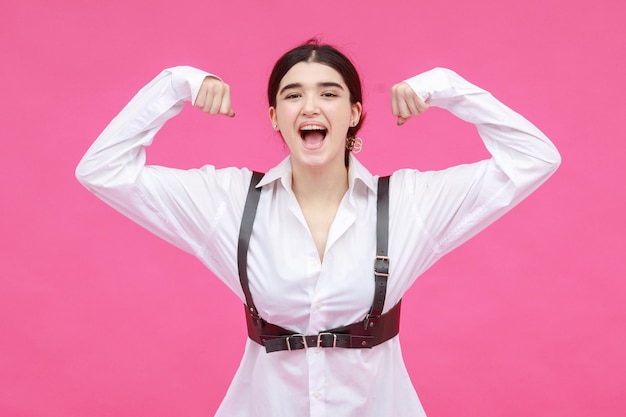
(319,206)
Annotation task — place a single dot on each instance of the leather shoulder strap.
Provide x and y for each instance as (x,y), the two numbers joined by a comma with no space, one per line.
(245,231)
(381,263)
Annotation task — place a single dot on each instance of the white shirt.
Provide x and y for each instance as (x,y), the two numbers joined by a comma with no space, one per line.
(431,213)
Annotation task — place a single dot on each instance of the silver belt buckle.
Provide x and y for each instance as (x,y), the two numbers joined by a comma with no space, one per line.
(288,339)
(319,339)
(382,259)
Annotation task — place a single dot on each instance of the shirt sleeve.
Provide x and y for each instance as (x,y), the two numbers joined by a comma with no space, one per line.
(181,206)
(452,205)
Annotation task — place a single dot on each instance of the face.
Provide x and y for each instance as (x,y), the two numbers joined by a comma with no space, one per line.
(313,113)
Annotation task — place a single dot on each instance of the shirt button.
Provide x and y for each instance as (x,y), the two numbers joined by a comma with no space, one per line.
(316,394)
(318,305)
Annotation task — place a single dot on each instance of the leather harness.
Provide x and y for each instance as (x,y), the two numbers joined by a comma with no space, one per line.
(373,330)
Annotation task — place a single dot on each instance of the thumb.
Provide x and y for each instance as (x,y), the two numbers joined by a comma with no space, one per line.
(402,120)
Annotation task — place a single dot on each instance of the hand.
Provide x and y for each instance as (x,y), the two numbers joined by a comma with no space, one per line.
(214,97)
(405,103)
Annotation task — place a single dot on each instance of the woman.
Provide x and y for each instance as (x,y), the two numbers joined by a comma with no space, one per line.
(312,246)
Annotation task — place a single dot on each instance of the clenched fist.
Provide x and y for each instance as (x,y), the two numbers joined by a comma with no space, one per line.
(405,103)
(214,97)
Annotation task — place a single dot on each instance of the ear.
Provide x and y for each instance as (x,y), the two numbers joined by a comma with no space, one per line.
(357,110)
(273,118)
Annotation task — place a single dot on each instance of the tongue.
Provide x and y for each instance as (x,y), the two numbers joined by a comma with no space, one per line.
(313,139)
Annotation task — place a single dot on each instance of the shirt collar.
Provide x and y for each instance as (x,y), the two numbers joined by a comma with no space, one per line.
(282,172)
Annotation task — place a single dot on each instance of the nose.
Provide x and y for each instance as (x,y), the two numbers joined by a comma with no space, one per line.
(310,105)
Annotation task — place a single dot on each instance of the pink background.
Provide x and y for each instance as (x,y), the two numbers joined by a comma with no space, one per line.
(100,318)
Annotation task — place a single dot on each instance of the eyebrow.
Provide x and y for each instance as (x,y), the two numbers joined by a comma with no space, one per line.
(299,85)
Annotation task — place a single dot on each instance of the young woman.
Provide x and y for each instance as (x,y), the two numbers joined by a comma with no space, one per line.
(313,246)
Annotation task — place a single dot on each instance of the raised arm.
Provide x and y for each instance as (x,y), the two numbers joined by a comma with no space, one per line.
(180,206)
(454,204)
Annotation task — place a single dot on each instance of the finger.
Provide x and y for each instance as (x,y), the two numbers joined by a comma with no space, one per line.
(399,109)
(213,95)
(404,113)
(397,97)
(216,100)
(206,92)
(200,99)
(394,101)
(412,104)
(226,107)
(404,109)
(208,99)
(402,120)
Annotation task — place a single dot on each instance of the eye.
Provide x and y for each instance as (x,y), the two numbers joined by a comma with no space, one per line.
(329,94)
(292,96)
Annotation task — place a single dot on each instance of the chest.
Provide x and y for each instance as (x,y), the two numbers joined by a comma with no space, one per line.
(292,284)
(319,221)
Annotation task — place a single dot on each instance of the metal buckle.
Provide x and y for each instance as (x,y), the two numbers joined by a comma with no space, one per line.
(319,339)
(296,335)
(366,321)
(383,259)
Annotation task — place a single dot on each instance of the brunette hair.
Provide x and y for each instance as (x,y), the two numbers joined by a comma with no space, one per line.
(315,51)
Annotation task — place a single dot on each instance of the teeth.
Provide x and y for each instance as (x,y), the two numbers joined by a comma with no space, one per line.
(312,127)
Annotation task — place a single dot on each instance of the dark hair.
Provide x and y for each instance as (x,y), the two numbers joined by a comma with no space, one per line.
(314,51)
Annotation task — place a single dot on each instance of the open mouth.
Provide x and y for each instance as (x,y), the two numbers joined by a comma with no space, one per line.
(313,136)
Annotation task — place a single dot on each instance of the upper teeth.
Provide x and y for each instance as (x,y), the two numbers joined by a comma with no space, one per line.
(312,127)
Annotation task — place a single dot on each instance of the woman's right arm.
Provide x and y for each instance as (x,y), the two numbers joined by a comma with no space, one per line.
(181,206)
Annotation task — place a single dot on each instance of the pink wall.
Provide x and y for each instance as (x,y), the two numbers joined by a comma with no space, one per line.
(99,318)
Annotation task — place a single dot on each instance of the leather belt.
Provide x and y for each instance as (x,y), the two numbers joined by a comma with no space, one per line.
(353,336)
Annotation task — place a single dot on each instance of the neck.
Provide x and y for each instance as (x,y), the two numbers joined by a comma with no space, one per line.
(323,185)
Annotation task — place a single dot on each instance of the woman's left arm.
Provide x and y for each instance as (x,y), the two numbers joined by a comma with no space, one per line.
(509,137)
(456,203)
